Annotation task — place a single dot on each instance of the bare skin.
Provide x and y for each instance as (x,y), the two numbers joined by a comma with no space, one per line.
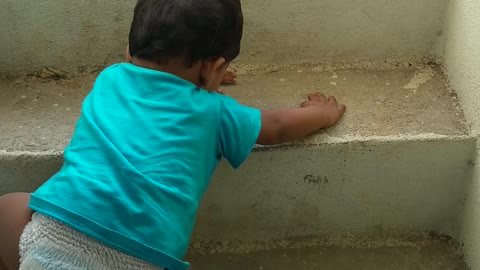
(229,77)
(14,215)
(285,125)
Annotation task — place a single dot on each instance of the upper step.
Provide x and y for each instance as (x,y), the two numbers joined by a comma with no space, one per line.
(39,115)
(380,102)
(43,33)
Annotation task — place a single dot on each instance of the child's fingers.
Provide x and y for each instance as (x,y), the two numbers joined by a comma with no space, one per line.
(316,97)
(229,77)
(332,99)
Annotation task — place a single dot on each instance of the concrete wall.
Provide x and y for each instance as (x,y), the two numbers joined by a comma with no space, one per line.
(67,34)
(64,34)
(462,56)
(285,31)
(462,62)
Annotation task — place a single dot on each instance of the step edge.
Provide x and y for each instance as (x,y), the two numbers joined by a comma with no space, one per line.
(377,239)
(325,139)
(316,141)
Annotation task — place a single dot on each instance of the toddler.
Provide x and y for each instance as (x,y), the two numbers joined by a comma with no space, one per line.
(148,140)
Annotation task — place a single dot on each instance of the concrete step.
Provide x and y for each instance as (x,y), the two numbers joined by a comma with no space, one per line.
(398,162)
(95,32)
(39,114)
(399,159)
(429,255)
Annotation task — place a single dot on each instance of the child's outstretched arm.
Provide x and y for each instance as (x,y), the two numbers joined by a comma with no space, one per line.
(284,125)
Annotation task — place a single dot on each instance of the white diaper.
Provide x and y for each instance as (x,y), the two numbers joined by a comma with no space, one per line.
(49,244)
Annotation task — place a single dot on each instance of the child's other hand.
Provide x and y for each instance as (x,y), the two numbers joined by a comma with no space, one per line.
(331,110)
(229,77)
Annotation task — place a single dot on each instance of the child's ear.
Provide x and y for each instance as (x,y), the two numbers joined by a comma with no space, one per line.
(212,67)
(211,73)
(219,65)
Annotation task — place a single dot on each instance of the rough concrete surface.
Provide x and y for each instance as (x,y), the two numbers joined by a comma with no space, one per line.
(68,34)
(437,256)
(64,34)
(39,115)
(379,102)
(282,31)
(27,171)
(462,63)
(356,187)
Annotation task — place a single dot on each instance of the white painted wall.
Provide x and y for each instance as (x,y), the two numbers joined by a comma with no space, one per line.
(68,34)
(462,62)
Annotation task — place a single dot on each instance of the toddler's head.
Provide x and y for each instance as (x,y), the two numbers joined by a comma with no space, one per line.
(199,35)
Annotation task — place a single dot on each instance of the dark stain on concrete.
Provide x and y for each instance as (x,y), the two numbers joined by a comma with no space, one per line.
(316,180)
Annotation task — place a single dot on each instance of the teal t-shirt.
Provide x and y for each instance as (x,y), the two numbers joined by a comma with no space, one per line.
(141,158)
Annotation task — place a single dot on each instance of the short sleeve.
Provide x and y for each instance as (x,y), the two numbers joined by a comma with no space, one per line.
(238,131)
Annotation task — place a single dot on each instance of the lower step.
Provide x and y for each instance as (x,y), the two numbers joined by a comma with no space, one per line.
(438,256)
(381,250)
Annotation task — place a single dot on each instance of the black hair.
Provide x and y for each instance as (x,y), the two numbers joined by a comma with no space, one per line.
(192,29)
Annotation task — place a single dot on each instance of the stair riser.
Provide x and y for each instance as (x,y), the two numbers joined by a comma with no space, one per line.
(25,172)
(95,32)
(354,187)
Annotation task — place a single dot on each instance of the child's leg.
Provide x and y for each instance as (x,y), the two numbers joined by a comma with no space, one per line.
(14,215)
(3,266)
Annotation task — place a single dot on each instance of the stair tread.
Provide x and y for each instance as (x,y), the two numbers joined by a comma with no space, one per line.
(336,258)
(39,115)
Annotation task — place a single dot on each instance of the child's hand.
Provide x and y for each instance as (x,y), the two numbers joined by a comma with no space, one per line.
(331,110)
(285,125)
(229,77)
